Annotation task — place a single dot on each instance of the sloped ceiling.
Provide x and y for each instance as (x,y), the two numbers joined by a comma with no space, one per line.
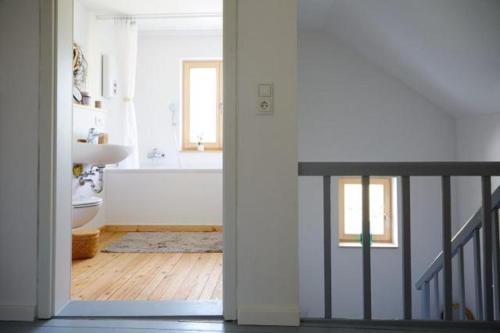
(447,50)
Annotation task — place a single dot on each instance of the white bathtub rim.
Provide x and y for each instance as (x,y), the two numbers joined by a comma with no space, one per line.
(160,170)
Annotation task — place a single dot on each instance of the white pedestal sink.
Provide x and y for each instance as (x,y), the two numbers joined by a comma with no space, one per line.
(99,155)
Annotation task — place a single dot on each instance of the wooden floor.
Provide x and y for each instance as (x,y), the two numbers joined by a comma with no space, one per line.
(146,276)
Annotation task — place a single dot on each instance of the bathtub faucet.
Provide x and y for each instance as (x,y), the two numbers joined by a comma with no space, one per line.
(155,153)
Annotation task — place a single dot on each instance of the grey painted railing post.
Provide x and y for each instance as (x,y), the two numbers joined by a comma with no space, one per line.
(327,245)
(496,262)
(487,236)
(478,279)
(367,289)
(426,301)
(446,234)
(461,282)
(437,296)
(406,213)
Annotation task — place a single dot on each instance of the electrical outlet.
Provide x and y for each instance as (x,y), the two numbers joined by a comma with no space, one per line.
(265,105)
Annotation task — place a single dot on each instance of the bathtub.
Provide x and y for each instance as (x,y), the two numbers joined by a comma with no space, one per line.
(163,196)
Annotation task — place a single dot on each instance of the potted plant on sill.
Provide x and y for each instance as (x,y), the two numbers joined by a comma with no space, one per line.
(200,146)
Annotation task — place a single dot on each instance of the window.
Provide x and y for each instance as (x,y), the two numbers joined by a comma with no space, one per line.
(202,105)
(350,210)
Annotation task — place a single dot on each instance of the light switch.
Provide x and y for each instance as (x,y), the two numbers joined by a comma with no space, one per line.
(265,90)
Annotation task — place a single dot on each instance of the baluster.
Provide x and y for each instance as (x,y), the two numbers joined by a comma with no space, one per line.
(327,245)
(406,229)
(446,234)
(487,247)
(478,280)
(461,281)
(367,292)
(496,261)
(437,294)
(426,301)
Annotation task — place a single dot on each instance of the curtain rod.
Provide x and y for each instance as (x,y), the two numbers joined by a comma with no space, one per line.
(159,16)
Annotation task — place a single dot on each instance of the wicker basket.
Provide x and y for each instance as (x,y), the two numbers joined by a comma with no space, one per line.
(85,244)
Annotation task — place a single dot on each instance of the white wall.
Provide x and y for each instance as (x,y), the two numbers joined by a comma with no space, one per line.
(83,20)
(267,164)
(431,45)
(350,110)
(159,81)
(98,37)
(478,139)
(19,61)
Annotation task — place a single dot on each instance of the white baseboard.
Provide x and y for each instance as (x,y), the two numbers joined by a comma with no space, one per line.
(273,315)
(17,312)
(141,309)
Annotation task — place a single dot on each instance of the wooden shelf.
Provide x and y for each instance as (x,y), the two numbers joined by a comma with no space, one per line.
(88,107)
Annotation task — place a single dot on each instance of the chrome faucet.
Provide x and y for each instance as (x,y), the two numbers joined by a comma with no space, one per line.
(92,135)
(155,153)
(86,177)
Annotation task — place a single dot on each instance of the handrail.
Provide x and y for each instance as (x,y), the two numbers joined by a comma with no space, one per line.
(399,168)
(460,239)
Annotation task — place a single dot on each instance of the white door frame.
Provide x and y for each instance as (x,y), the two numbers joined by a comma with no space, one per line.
(230,128)
(55,128)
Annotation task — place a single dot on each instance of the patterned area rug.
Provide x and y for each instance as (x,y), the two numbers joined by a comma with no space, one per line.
(167,242)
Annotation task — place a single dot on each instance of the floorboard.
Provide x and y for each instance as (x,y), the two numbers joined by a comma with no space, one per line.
(146,276)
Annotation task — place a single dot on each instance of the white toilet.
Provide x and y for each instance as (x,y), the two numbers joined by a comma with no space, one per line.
(84,210)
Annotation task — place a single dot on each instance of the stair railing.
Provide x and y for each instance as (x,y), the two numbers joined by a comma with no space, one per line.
(406,170)
(470,231)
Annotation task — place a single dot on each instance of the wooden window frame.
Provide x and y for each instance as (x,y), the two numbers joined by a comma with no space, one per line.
(388,236)
(187,65)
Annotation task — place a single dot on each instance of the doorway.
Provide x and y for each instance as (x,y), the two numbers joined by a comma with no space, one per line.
(202,279)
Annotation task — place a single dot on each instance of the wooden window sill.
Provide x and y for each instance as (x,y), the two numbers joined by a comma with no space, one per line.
(373,245)
(208,151)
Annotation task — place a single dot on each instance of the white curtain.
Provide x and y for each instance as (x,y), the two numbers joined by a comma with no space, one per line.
(127,41)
